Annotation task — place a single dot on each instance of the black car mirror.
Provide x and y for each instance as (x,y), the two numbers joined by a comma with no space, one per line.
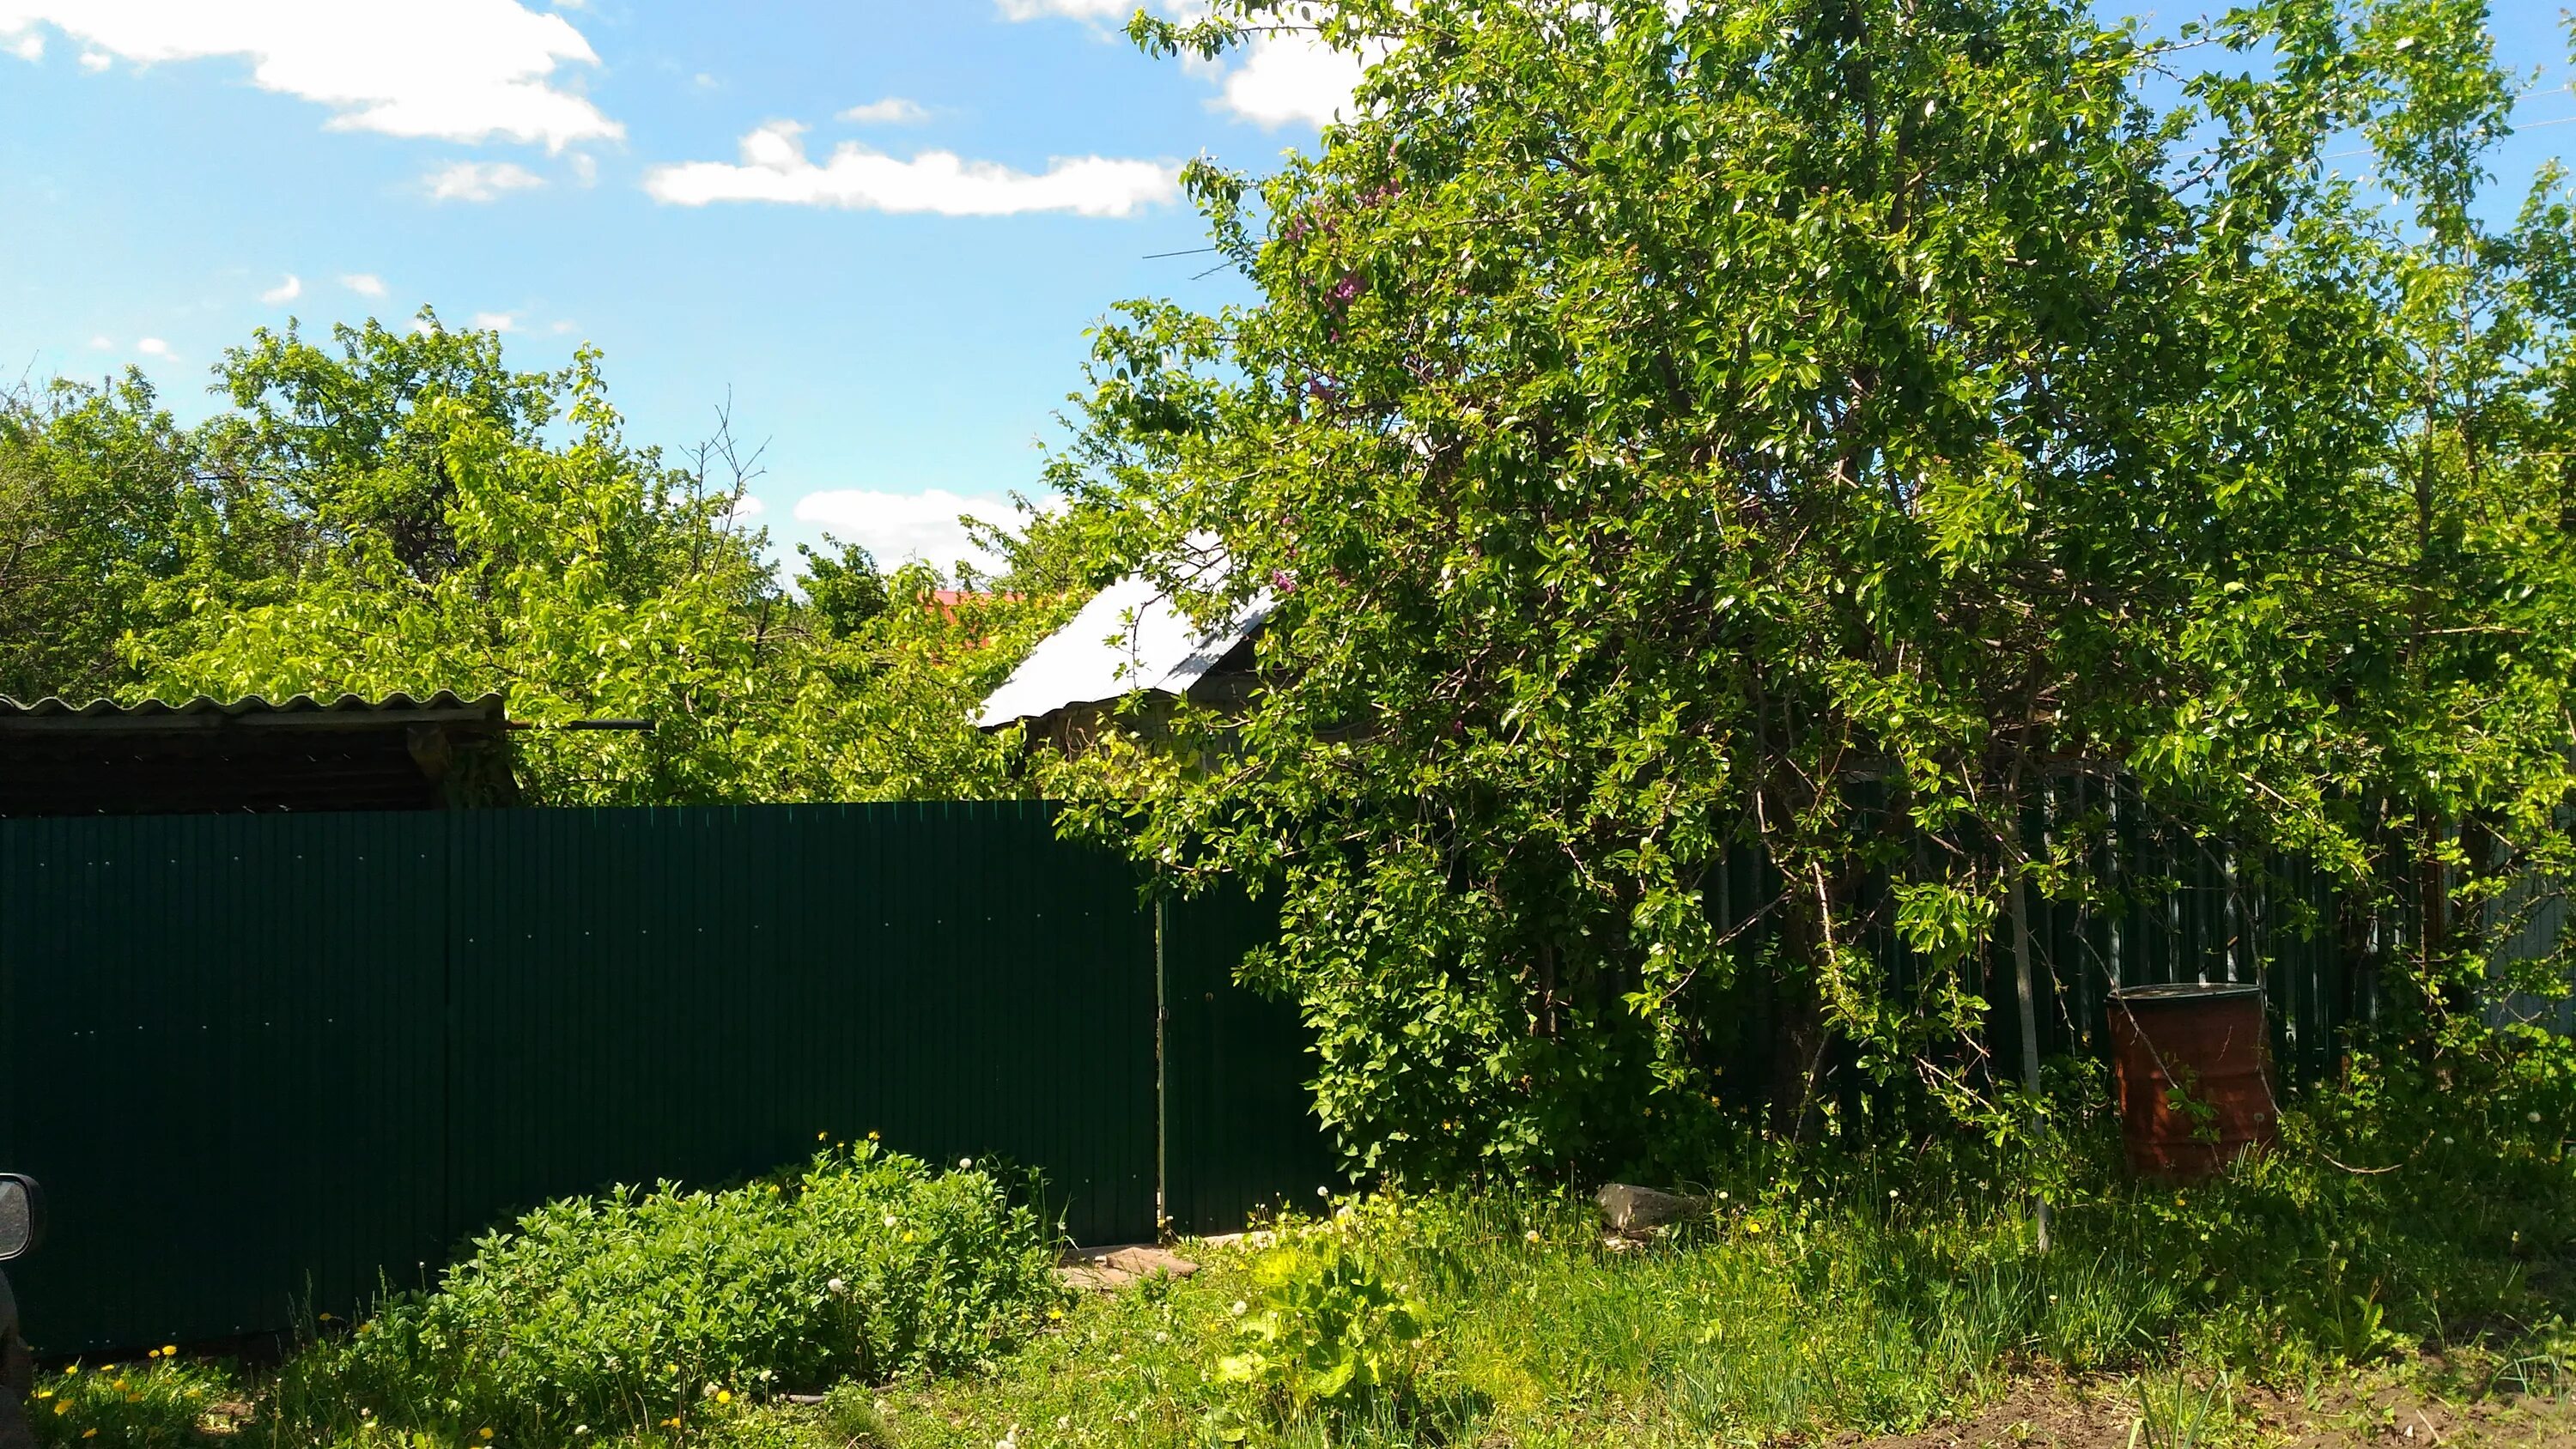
(22,1216)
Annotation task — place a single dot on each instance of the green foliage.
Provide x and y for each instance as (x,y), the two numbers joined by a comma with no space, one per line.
(112,517)
(160,1403)
(635,1310)
(1677,436)
(2175,1413)
(400,510)
(844,591)
(1325,1331)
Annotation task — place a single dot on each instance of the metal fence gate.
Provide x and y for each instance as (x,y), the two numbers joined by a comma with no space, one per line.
(264,1064)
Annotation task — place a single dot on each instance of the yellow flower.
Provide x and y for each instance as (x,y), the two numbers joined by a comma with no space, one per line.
(119,1386)
(169,1350)
(822,1136)
(1054,1313)
(487,1433)
(64,1407)
(872,1136)
(1753,1227)
(89,1433)
(724,1396)
(75,1368)
(152,1353)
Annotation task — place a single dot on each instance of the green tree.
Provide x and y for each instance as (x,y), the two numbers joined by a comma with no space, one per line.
(112,518)
(440,521)
(1810,429)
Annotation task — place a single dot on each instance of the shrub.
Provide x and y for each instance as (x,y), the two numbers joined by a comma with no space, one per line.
(661,1310)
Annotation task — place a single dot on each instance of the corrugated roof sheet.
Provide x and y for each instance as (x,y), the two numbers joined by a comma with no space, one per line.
(444,707)
(1131,636)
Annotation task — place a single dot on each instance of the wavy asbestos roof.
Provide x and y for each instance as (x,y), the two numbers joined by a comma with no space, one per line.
(302,711)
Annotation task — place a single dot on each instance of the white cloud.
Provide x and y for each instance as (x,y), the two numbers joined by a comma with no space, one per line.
(30,46)
(747,507)
(95,61)
(1283,76)
(585,169)
(892,111)
(459,70)
(365,284)
(774,168)
(561,329)
(901,527)
(478,180)
(154,347)
(286,291)
(1287,78)
(103,344)
(496,321)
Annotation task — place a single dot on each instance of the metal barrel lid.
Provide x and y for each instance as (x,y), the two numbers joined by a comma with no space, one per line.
(2179,992)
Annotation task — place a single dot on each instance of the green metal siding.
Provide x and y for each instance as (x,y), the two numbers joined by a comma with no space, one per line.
(1241,1132)
(258,1061)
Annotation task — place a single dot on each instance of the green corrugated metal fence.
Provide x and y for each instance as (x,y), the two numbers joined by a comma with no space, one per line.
(261,1060)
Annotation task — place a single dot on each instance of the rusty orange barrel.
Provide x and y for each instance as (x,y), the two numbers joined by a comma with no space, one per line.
(2212,1044)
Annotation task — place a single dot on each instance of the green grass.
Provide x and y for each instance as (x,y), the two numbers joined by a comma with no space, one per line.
(1821,1294)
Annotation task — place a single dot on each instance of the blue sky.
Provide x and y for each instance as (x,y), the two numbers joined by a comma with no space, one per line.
(895,323)
(880,226)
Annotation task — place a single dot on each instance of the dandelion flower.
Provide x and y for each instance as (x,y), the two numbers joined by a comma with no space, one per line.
(890,1220)
(581,1431)
(64,1407)
(1721,1196)
(872,1136)
(89,1433)
(2533,1116)
(724,1396)
(1055,1315)
(152,1353)
(487,1433)
(822,1136)
(169,1350)
(1531,1235)
(837,1286)
(965,1164)
(1238,1309)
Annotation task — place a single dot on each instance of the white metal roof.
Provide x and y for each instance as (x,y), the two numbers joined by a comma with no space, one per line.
(1131,636)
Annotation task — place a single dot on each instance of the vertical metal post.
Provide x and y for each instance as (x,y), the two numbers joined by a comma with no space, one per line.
(1162,1112)
(2025,989)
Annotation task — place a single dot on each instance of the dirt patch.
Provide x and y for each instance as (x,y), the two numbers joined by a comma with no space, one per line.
(2105,1415)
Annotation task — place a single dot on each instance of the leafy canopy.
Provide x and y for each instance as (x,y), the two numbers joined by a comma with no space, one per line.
(1724,468)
